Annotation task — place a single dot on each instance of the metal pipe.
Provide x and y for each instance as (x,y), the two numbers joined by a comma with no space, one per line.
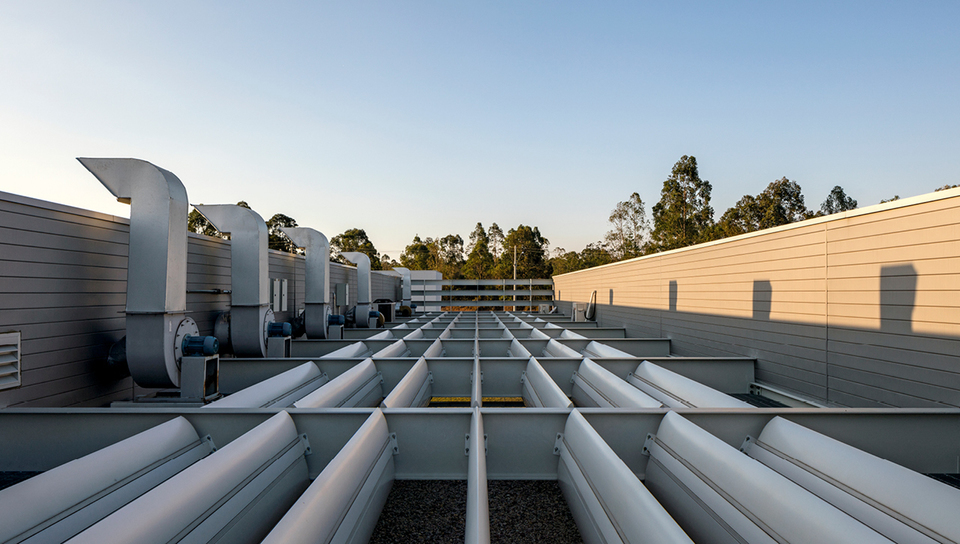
(157,264)
(478,509)
(405,287)
(249,275)
(316,278)
(363,287)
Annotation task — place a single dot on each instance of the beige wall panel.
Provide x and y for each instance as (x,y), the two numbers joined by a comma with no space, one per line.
(886,279)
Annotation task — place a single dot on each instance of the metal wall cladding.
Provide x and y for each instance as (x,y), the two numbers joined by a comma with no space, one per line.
(63,273)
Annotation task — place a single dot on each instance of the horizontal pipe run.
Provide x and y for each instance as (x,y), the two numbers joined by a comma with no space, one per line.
(733,494)
(357,387)
(478,509)
(249,477)
(605,497)
(94,486)
(414,390)
(901,504)
(281,390)
(347,497)
(676,391)
(539,389)
(595,386)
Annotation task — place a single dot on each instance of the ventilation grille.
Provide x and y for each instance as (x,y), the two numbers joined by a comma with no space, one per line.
(9,360)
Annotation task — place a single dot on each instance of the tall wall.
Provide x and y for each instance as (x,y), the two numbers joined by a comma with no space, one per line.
(63,285)
(856,309)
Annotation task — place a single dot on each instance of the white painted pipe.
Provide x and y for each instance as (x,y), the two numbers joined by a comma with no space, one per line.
(516,349)
(478,509)
(194,497)
(435,349)
(676,391)
(346,499)
(597,349)
(354,350)
(736,494)
(396,349)
(595,386)
(55,495)
(249,275)
(357,387)
(476,384)
(157,264)
(903,505)
(280,390)
(556,349)
(606,499)
(539,389)
(414,390)
(363,287)
(316,278)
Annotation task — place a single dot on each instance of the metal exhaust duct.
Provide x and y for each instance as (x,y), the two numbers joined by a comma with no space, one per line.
(363,310)
(157,266)
(317,279)
(250,312)
(405,289)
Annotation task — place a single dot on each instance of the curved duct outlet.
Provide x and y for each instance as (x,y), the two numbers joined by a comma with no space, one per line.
(249,276)
(363,321)
(157,269)
(317,280)
(405,285)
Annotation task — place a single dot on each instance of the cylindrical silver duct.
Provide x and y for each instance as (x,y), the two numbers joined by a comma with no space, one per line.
(363,288)
(317,278)
(249,276)
(405,287)
(157,265)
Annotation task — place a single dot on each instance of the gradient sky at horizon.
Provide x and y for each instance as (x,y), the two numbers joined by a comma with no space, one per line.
(407,118)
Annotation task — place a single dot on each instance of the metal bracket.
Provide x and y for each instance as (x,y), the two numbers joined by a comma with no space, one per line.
(573,379)
(647,444)
(523,377)
(466,445)
(557,444)
(208,438)
(430,376)
(306,443)
(380,375)
(393,443)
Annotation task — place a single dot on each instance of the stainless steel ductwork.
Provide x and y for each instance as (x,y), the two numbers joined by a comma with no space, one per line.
(250,312)
(405,285)
(157,266)
(317,280)
(363,309)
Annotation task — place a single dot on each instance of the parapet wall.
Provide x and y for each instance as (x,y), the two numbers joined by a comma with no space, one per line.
(63,285)
(856,309)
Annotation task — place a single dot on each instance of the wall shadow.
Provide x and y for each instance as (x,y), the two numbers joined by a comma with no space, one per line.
(762,298)
(898,294)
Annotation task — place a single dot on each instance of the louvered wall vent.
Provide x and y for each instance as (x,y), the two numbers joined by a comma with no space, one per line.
(9,360)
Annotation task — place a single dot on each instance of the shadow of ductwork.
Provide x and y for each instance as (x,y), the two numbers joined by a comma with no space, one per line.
(898,293)
(762,298)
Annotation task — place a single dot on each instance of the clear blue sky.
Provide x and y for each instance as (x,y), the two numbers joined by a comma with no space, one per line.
(408,118)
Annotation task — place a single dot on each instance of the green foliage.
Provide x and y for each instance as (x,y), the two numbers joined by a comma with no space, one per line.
(780,203)
(897,197)
(837,201)
(525,248)
(355,240)
(277,239)
(629,228)
(683,215)
(945,187)
(480,262)
(495,240)
(417,255)
(198,223)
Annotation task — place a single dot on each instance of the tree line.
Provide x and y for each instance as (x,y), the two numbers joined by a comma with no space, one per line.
(682,217)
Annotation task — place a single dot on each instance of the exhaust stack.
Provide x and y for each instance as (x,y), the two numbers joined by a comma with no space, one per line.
(157,266)
(364,308)
(405,288)
(317,281)
(250,312)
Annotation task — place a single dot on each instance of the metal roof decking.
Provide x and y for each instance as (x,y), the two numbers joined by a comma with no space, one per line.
(343,460)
